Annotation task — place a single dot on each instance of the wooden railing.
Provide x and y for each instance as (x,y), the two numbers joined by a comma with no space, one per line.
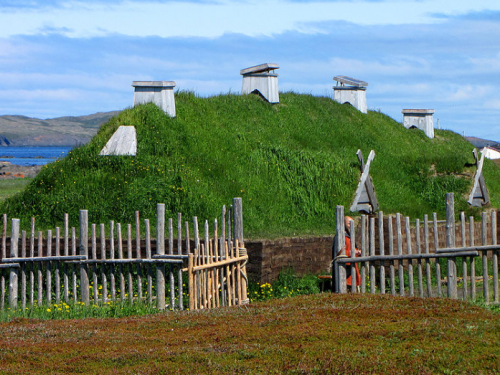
(384,252)
(40,270)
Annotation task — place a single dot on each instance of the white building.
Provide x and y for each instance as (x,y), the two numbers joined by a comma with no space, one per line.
(160,93)
(354,93)
(490,153)
(420,119)
(261,79)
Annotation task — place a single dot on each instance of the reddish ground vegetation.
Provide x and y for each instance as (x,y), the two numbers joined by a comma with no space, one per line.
(9,171)
(308,334)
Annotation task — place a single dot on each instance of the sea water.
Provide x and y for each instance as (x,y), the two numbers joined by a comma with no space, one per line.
(33,155)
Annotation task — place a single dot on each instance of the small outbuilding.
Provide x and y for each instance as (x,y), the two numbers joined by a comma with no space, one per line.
(490,153)
(420,119)
(160,93)
(261,79)
(352,91)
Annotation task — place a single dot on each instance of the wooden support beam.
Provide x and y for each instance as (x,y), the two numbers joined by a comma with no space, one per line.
(365,198)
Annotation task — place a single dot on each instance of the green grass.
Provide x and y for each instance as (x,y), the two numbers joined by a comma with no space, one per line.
(291,163)
(13,186)
(287,285)
(78,310)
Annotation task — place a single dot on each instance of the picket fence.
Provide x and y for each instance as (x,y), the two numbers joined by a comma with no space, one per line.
(383,252)
(104,269)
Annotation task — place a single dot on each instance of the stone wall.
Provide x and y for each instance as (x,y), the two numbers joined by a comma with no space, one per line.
(304,255)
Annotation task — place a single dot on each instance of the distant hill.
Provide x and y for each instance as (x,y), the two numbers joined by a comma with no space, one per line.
(61,131)
(292,163)
(480,143)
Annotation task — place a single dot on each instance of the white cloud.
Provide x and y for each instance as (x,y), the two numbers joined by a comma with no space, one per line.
(399,89)
(372,66)
(487,64)
(214,18)
(492,104)
(468,93)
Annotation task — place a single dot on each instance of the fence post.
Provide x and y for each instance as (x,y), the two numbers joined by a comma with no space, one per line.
(191,285)
(494,255)
(84,243)
(14,253)
(238,235)
(160,250)
(450,242)
(339,270)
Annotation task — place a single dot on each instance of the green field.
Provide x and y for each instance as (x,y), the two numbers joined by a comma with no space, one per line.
(292,163)
(12,186)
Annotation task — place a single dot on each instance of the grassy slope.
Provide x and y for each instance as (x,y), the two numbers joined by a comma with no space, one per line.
(322,333)
(291,163)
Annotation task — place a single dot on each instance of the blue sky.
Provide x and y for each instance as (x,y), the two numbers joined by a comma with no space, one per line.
(68,58)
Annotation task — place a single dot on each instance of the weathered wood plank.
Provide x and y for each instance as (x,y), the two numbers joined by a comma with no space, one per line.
(472,261)
(392,274)
(121,274)
(48,281)
(381,250)
(479,195)
(130,280)
(58,266)
(191,283)
(419,261)
(494,255)
(147,233)
(66,252)
(112,278)
(32,269)
(428,279)
(160,249)
(372,253)
(339,275)
(365,188)
(39,271)
(4,255)
(436,247)
(84,243)
(484,234)
(171,271)
(406,257)
(138,255)
(45,259)
(409,251)
(364,251)
(95,280)
(451,272)
(23,272)
(464,259)
(103,268)
(216,258)
(179,269)
(353,252)
(400,252)
(14,272)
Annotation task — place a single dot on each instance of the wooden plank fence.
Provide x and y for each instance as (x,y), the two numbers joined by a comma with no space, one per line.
(391,265)
(38,270)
